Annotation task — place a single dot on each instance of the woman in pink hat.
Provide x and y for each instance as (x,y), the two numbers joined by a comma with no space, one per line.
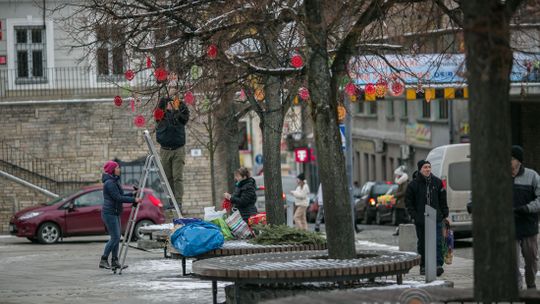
(113,199)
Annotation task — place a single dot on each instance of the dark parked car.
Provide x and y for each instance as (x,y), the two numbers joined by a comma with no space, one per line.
(366,206)
(79,214)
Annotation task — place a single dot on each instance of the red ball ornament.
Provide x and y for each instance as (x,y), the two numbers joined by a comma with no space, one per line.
(397,88)
(303,93)
(139,121)
(161,74)
(148,62)
(370,89)
(297,61)
(243,96)
(380,88)
(158,114)
(189,98)
(351,89)
(129,74)
(117,101)
(212,51)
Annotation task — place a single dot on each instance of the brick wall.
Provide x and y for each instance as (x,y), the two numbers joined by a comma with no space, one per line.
(80,137)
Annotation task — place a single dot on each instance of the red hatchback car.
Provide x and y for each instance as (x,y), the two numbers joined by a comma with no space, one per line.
(79,214)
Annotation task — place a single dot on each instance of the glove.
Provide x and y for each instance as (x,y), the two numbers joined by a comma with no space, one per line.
(521,209)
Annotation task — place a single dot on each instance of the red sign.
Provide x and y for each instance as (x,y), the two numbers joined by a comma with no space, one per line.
(301,155)
(3,60)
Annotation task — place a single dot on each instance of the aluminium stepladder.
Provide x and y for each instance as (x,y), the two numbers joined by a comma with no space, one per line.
(151,164)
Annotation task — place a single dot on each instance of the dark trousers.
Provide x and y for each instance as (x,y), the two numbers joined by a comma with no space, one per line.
(528,246)
(112,222)
(420,234)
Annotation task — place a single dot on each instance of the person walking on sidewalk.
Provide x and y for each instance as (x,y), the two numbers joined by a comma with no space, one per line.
(113,200)
(171,135)
(426,189)
(526,204)
(301,202)
(244,196)
(320,211)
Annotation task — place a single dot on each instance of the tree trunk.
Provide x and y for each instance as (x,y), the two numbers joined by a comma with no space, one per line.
(227,128)
(489,61)
(331,161)
(212,153)
(272,127)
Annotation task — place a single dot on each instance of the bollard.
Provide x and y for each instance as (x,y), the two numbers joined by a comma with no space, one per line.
(407,237)
(290,214)
(430,243)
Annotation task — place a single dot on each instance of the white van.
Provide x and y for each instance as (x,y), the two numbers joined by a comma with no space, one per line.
(452,164)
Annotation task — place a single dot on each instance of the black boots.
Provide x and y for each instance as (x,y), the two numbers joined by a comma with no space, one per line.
(115,264)
(104,263)
(440,271)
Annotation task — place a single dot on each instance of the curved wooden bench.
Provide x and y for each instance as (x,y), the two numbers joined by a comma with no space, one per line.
(305,266)
(235,248)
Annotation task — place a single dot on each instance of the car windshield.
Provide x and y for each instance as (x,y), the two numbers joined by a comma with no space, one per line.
(380,189)
(392,189)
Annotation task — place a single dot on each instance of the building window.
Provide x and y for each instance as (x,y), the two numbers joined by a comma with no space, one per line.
(426,109)
(30,58)
(443,109)
(390,109)
(110,51)
(372,108)
(404,109)
(360,107)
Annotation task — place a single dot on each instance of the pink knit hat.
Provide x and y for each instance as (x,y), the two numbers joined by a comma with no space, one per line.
(110,166)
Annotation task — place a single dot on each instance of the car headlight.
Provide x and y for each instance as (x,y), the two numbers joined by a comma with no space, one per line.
(29,215)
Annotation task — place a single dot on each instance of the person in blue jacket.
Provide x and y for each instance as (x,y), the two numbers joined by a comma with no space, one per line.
(113,199)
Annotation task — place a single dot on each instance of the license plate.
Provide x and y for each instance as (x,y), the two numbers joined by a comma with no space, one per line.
(461,217)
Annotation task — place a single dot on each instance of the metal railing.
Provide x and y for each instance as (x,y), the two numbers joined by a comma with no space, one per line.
(37,171)
(68,82)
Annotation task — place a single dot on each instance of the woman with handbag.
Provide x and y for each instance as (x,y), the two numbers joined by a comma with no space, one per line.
(301,202)
(244,196)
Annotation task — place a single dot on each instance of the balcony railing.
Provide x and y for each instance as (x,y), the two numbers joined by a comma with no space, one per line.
(67,83)
(37,171)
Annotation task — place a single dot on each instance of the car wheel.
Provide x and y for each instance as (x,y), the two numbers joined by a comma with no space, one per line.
(48,233)
(367,218)
(378,219)
(137,234)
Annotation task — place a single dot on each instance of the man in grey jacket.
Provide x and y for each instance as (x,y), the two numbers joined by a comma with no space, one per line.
(526,203)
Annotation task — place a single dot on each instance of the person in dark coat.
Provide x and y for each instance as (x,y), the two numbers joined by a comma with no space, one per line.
(526,204)
(171,136)
(244,196)
(113,200)
(426,189)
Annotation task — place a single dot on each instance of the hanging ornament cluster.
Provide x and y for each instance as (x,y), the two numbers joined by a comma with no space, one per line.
(212,51)
(196,72)
(161,74)
(303,92)
(341,112)
(139,121)
(397,88)
(380,88)
(117,101)
(259,94)
(370,89)
(176,102)
(189,98)
(297,61)
(129,74)
(158,114)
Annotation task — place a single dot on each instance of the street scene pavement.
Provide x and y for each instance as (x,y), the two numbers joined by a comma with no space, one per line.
(67,272)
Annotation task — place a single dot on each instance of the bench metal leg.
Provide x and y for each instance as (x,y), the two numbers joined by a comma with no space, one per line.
(400,279)
(214,292)
(183,265)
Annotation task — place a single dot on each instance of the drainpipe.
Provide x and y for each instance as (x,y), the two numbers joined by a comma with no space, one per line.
(451,120)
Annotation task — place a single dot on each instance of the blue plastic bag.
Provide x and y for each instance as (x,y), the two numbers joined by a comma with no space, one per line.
(196,238)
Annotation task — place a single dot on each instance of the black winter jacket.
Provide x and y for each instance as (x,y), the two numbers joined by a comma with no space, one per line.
(113,195)
(171,131)
(244,198)
(416,198)
(526,192)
